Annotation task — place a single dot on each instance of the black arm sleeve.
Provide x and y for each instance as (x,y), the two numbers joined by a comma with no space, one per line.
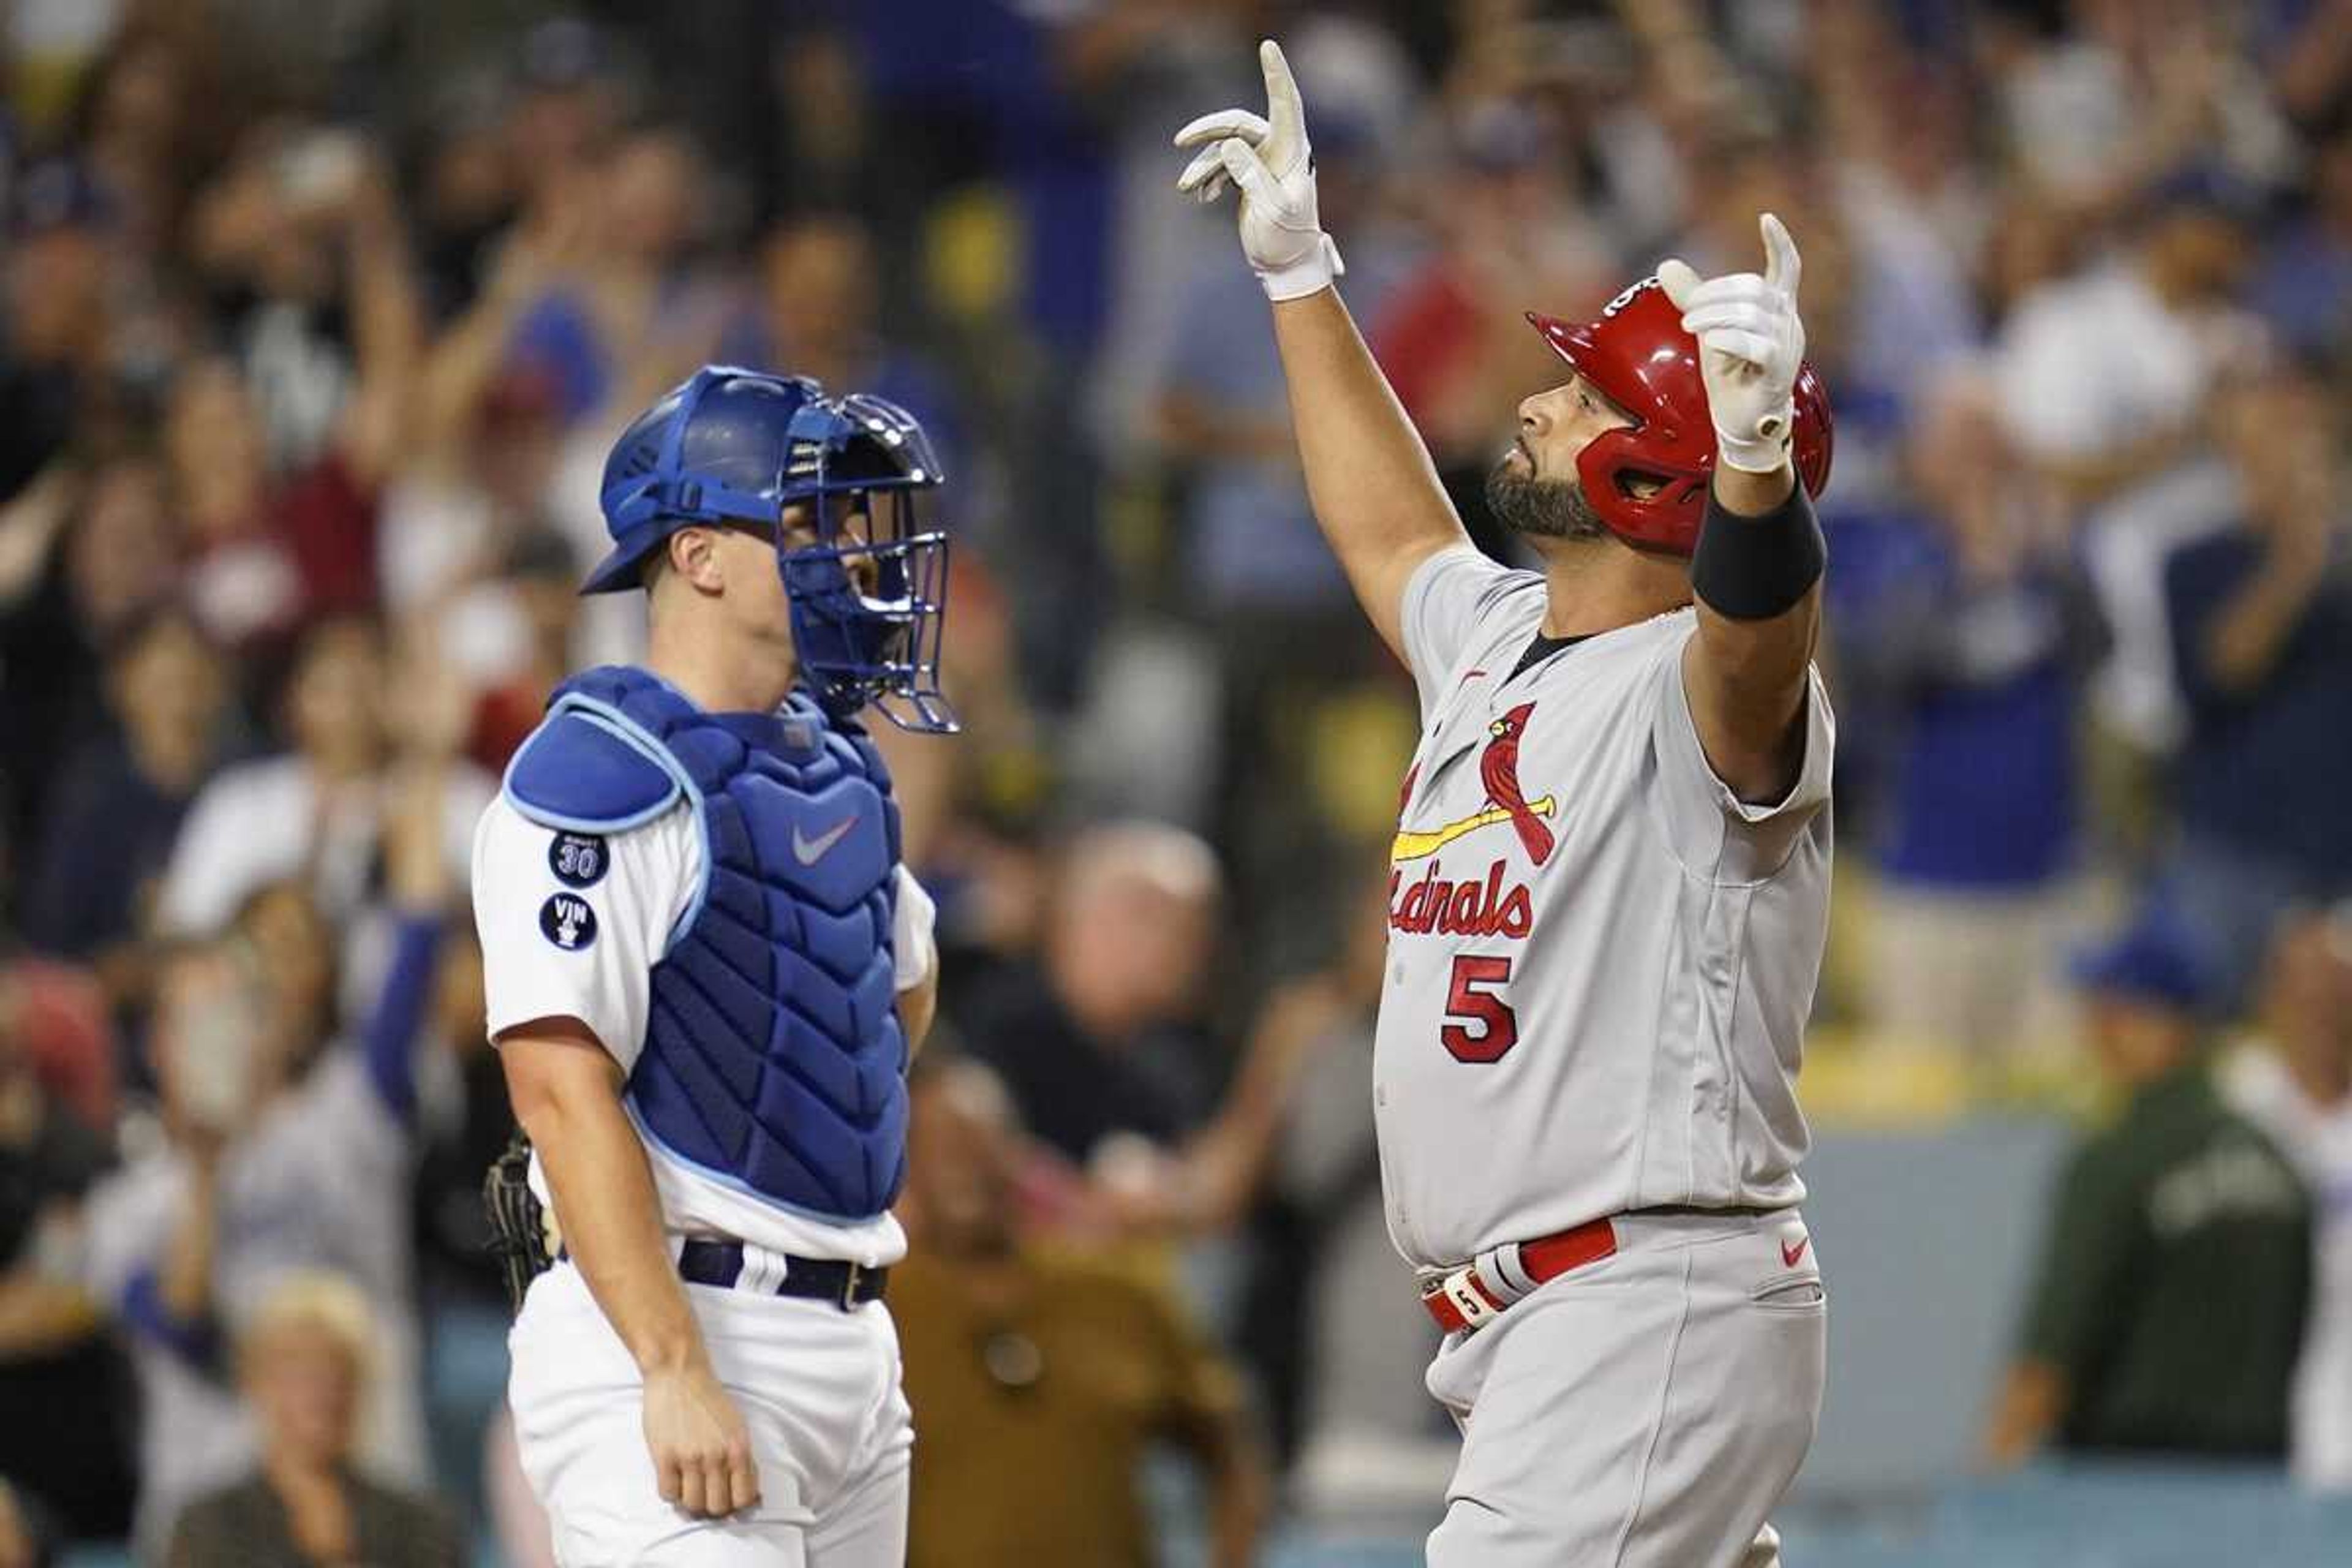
(1754,568)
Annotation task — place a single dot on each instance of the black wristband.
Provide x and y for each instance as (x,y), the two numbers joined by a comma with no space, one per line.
(1754,568)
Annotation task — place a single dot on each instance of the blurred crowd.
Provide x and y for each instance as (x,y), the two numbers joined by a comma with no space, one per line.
(318,319)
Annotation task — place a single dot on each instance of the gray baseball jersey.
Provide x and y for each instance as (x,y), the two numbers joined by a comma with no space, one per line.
(1601,960)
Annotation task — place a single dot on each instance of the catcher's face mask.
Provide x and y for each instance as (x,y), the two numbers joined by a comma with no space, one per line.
(869,596)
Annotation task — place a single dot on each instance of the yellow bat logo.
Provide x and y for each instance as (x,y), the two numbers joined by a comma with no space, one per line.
(1411,846)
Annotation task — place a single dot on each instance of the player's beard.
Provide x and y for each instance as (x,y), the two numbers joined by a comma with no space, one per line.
(1541,509)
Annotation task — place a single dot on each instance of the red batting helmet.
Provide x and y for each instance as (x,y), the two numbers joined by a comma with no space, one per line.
(1638,354)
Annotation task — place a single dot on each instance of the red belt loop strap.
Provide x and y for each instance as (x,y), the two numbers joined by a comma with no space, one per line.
(1463,1299)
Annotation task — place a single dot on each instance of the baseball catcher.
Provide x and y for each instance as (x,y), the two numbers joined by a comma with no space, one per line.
(706,969)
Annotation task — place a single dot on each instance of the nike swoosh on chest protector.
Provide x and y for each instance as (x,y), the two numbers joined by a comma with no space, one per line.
(809,851)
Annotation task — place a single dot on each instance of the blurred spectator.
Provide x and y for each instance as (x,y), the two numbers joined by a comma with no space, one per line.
(305,255)
(123,794)
(1097,1040)
(1454,341)
(1328,1321)
(2308,50)
(53,338)
(1977,647)
(1363,1434)
(2294,1079)
(1000,770)
(146,115)
(1039,1379)
(511,639)
(2261,628)
(465,1123)
(318,811)
(2176,1268)
(568,99)
(624,289)
(466,191)
(282,1150)
(816,313)
(2304,285)
(2132,91)
(277,452)
(2103,377)
(64,1433)
(1896,134)
(2030,246)
(1137,73)
(122,560)
(268,556)
(821,151)
(972,811)
(474,491)
(304,1363)
(100,551)
(56,1014)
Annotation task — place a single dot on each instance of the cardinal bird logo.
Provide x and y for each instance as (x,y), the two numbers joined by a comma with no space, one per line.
(1498,765)
(1499,769)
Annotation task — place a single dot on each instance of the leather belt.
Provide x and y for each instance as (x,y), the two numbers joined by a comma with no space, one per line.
(1478,1291)
(721,1264)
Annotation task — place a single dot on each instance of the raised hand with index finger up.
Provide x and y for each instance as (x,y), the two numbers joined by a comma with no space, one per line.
(1751,343)
(1268,156)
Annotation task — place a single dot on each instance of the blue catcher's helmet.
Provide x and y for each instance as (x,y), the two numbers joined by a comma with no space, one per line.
(711,451)
(869,598)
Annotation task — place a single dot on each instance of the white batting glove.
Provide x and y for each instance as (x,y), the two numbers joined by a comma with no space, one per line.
(1750,343)
(1268,157)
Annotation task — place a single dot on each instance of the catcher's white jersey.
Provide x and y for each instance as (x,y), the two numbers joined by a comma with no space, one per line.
(1600,961)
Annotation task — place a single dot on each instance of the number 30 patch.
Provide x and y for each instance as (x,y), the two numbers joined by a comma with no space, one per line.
(578,860)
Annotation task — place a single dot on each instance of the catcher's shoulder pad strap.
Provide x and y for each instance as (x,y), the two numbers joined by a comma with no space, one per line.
(582,770)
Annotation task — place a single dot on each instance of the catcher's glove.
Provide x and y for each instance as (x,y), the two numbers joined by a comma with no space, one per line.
(522,1231)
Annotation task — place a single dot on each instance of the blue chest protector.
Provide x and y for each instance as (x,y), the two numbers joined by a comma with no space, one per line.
(772,1057)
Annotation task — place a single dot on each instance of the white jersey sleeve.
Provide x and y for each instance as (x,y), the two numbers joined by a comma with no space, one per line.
(914,917)
(1714,832)
(553,948)
(1444,601)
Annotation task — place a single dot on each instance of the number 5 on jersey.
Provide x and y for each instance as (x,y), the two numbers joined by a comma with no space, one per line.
(1480,1025)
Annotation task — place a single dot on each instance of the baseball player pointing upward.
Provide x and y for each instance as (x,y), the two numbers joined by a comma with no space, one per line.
(1610,887)
(704,966)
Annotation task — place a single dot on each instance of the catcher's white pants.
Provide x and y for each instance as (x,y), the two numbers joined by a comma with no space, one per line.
(1646,1411)
(818,1387)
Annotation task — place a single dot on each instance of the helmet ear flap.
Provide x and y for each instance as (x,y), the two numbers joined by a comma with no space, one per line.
(1668,517)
